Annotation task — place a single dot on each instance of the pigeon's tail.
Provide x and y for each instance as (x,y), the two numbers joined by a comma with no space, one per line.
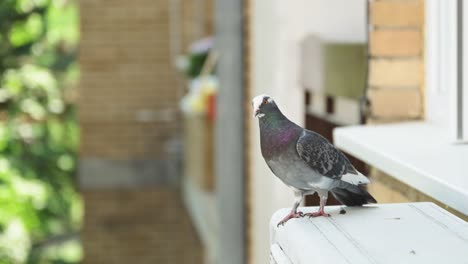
(352,195)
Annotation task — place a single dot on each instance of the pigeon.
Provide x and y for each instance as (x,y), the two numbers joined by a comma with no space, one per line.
(306,162)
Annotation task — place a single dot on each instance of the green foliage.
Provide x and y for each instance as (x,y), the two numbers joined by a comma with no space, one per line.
(39,204)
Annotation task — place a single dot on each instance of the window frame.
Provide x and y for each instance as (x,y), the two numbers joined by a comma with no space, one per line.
(446,95)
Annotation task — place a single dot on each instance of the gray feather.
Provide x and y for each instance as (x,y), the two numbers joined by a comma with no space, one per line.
(322,156)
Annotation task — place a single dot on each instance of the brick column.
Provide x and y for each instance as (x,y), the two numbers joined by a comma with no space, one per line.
(396,79)
(396,45)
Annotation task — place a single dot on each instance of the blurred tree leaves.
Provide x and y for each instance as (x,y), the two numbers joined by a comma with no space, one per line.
(39,202)
(24,32)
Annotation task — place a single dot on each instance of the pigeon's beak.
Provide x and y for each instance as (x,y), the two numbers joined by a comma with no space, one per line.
(256,112)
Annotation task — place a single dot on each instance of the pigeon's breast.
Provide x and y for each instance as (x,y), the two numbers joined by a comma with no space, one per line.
(295,172)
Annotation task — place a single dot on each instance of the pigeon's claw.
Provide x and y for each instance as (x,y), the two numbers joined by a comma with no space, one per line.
(291,215)
(319,213)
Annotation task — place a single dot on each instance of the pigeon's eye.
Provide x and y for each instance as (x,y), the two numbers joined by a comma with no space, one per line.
(265,101)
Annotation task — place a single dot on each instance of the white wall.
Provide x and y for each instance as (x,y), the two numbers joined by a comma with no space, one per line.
(336,20)
(278,26)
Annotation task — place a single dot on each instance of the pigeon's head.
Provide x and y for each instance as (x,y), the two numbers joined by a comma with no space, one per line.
(262,105)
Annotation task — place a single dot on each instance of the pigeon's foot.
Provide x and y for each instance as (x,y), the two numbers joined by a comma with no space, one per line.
(319,213)
(291,215)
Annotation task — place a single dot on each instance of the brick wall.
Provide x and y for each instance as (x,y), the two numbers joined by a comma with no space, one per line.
(128,100)
(138,226)
(128,112)
(396,45)
(196,20)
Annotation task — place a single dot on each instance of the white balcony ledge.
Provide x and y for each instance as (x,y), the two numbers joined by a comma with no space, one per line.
(416,153)
(381,233)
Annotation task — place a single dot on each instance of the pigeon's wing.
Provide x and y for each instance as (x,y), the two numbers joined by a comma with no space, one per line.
(322,156)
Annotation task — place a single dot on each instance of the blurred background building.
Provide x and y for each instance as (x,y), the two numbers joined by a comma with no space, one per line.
(126,127)
(131,129)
